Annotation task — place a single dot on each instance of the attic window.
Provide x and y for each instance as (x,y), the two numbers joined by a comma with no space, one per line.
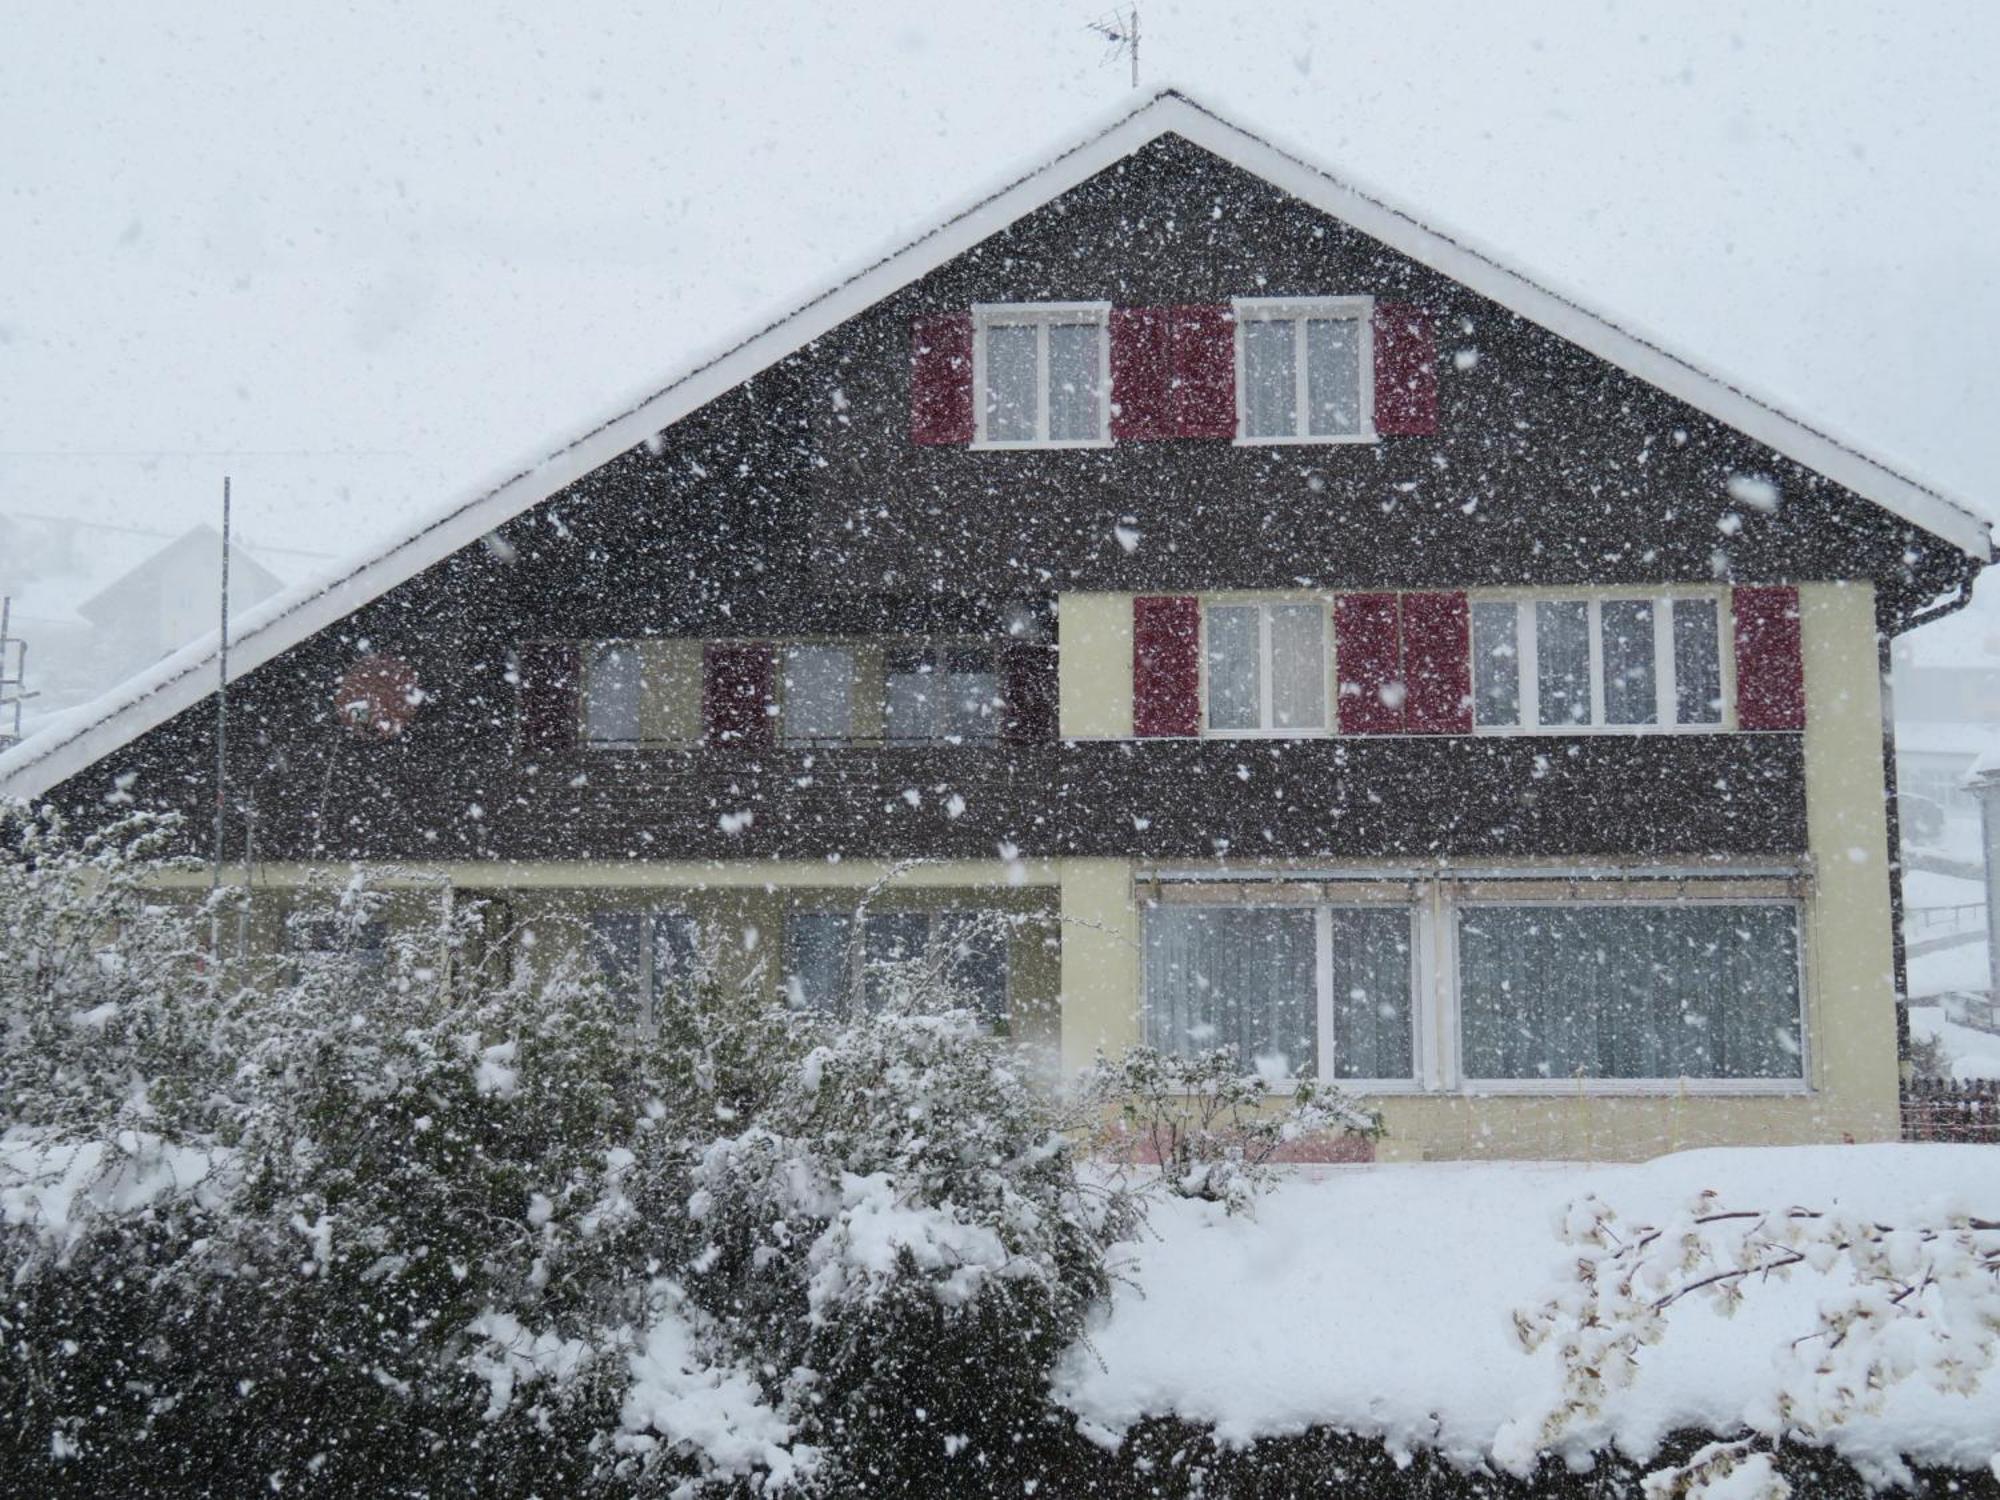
(1304,370)
(1041,375)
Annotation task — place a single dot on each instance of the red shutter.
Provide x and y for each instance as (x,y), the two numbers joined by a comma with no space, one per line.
(1141,373)
(1437,664)
(1166,666)
(1204,355)
(941,379)
(1367,662)
(1028,687)
(737,692)
(1406,388)
(1770,672)
(546,676)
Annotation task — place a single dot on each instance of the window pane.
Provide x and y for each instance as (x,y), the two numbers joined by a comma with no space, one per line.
(1562,649)
(615,940)
(819,693)
(1333,376)
(1496,664)
(888,940)
(1697,663)
(1298,666)
(1010,383)
(1232,667)
(1270,379)
(816,954)
(971,695)
(1630,689)
(1074,365)
(1241,978)
(1371,993)
(976,959)
(611,697)
(674,961)
(910,701)
(1621,991)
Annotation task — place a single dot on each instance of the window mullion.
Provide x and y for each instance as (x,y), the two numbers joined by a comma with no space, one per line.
(1266,718)
(1323,980)
(1042,380)
(1666,686)
(1299,382)
(1594,613)
(1527,652)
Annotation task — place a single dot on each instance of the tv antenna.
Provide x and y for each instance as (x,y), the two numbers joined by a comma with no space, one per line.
(1120,29)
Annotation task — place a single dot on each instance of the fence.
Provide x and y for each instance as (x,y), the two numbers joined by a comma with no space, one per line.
(1938,1110)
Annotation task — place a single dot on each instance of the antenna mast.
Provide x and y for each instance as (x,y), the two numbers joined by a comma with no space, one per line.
(1121,29)
(222,702)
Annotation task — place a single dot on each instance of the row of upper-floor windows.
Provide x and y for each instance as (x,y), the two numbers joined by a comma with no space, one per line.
(1676,660)
(1562,664)
(1042,372)
(676,692)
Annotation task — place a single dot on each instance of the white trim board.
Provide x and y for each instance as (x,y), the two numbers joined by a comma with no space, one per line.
(75,741)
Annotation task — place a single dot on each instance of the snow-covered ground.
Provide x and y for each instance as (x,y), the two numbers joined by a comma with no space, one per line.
(1381,1299)
(1971,1053)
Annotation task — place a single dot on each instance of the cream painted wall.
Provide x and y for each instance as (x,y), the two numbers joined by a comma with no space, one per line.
(1849,958)
(1095,665)
(1850,1002)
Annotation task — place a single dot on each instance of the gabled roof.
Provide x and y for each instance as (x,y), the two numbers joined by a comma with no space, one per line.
(74,741)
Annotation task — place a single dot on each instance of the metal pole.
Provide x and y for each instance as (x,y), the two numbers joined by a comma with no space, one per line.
(222,702)
(1135,46)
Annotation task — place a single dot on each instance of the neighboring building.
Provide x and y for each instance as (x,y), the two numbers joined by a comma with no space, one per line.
(171,598)
(1318,638)
(96,603)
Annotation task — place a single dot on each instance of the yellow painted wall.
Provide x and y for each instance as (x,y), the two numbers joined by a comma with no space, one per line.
(1095,665)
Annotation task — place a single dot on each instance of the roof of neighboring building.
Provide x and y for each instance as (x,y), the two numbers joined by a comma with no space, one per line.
(249,578)
(70,742)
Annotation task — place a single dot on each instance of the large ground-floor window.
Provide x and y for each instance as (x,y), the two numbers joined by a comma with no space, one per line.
(824,967)
(1606,990)
(1297,990)
(1478,986)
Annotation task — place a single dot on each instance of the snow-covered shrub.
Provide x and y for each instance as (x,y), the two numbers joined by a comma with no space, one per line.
(109,1019)
(1212,1129)
(902,1242)
(1914,1301)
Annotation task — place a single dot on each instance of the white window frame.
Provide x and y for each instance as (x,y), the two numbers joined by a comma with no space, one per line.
(1423,1063)
(1040,316)
(1460,903)
(1527,656)
(1266,730)
(1436,900)
(1298,310)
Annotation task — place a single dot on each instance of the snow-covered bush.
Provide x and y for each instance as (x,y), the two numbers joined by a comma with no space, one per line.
(1913,1301)
(902,1240)
(109,1019)
(1212,1129)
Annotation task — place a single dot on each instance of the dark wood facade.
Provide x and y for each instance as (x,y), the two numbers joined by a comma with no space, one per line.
(797,505)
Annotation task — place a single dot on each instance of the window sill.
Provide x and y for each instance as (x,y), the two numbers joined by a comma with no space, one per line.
(1635,1088)
(1601,731)
(1305,442)
(981,445)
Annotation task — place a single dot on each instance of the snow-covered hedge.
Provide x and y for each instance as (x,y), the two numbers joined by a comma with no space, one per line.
(435,1221)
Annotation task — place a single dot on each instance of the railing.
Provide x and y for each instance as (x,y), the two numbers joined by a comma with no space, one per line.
(1964,1112)
(1928,918)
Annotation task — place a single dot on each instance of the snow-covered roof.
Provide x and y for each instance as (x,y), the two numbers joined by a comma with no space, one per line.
(70,742)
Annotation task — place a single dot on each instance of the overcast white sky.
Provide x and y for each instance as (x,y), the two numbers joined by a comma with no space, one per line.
(362,256)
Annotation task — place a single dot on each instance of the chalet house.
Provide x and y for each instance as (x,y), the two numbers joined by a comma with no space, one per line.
(1317,637)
